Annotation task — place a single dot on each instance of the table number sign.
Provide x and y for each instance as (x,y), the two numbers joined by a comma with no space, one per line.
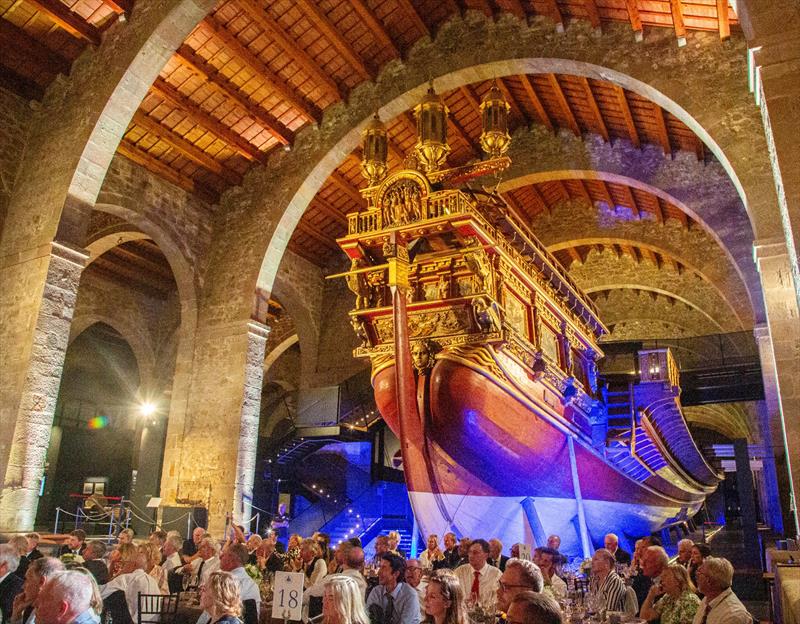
(525,552)
(287,597)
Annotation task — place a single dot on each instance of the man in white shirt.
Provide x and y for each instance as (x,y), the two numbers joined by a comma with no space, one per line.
(206,563)
(478,578)
(720,605)
(133,580)
(233,559)
(172,555)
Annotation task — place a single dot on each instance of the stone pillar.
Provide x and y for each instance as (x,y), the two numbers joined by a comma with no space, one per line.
(248,425)
(37,400)
(781,364)
(747,501)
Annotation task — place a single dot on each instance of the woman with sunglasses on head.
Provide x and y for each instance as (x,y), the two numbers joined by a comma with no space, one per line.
(444,600)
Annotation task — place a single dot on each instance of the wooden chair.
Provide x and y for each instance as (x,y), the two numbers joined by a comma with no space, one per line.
(115,609)
(157,608)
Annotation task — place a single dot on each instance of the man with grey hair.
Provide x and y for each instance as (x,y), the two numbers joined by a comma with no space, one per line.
(520,575)
(10,583)
(684,552)
(206,563)
(172,553)
(720,605)
(37,574)
(133,581)
(66,598)
(93,561)
(611,542)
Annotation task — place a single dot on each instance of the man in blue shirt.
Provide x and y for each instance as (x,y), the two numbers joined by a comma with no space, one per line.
(393,601)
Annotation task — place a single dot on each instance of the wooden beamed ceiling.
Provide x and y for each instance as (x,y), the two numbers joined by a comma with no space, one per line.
(254,72)
(639,254)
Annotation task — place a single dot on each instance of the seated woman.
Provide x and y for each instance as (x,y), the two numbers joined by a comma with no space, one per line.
(314,565)
(221,599)
(343,601)
(678,603)
(444,600)
(154,569)
(699,553)
(124,553)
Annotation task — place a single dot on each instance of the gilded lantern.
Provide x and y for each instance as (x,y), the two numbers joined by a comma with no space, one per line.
(375,149)
(431,148)
(495,138)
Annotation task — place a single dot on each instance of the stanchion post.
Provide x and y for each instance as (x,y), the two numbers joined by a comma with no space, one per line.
(58,513)
(258,521)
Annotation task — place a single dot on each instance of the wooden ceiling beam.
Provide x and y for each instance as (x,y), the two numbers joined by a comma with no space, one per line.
(320,237)
(533,96)
(17,43)
(635,19)
(321,21)
(555,14)
(284,40)
(67,20)
(598,116)
(659,211)
(661,129)
(723,16)
(540,200)
(622,100)
(315,257)
(486,8)
(607,194)
(573,254)
(341,183)
(412,14)
(120,7)
(184,147)
(113,272)
(462,135)
(563,104)
(521,215)
(631,201)
(469,94)
(280,86)
(151,265)
(161,169)
(375,27)
(699,149)
(214,79)
(329,210)
(517,10)
(562,190)
(197,115)
(119,262)
(677,21)
(515,107)
(590,6)
(583,192)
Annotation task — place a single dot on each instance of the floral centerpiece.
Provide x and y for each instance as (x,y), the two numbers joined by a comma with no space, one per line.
(253,572)
(71,559)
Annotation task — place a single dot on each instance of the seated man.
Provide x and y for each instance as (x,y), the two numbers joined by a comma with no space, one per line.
(393,601)
(132,581)
(611,542)
(207,562)
(66,598)
(519,576)
(93,560)
(478,579)
(533,608)
(76,542)
(172,553)
(33,546)
(233,559)
(39,571)
(720,605)
(10,583)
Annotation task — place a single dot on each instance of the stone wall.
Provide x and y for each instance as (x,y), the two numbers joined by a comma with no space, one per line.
(15,118)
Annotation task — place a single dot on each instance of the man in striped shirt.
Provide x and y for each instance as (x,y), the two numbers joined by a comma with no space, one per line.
(606,583)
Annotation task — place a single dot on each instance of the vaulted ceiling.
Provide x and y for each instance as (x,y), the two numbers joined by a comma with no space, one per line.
(255,72)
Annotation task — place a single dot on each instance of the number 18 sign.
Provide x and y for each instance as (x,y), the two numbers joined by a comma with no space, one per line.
(287,596)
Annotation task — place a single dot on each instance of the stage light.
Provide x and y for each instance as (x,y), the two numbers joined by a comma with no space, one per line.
(147,409)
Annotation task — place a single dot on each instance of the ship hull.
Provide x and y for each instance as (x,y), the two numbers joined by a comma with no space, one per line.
(491,458)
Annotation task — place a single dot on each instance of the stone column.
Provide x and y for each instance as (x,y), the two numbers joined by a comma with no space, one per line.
(37,403)
(783,363)
(248,425)
(772,436)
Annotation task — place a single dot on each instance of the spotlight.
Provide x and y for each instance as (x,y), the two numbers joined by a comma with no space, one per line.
(147,409)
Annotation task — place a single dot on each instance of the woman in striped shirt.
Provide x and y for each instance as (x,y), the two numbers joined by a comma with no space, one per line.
(606,583)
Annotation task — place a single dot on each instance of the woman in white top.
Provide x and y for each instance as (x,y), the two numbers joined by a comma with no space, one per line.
(433,553)
(314,565)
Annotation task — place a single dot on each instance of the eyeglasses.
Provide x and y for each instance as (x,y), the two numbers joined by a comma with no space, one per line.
(507,586)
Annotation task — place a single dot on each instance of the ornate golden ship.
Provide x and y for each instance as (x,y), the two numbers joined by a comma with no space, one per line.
(484,360)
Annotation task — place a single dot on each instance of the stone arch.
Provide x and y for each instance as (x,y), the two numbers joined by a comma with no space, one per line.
(142,350)
(604,270)
(273,355)
(98,246)
(727,419)
(531,48)
(647,288)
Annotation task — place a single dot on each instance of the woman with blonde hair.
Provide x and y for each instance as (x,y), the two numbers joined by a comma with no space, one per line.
(679,603)
(343,601)
(314,565)
(444,600)
(220,598)
(153,554)
(123,554)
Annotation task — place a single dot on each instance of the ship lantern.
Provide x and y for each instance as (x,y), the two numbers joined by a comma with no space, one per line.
(375,148)
(431,148)
(495,138)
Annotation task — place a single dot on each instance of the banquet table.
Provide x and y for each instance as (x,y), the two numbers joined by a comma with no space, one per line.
(787,588)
